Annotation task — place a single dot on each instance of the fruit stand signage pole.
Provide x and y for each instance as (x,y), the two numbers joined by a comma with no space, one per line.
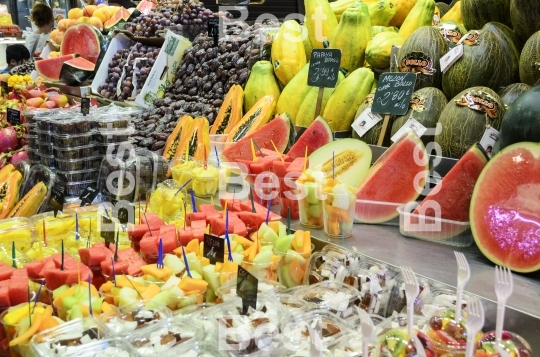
(392,97)
(323,72)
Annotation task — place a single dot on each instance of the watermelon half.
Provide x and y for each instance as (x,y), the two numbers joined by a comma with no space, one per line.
(50,68)
(505,208)
(83,40)
(76,70)
(316,135)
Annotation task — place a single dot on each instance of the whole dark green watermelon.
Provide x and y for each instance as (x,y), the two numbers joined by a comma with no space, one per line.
(421,54)
(463,126)
(426,106)
(511,47)
(482,64)
(529,63)
(525,15)
(522,120)
(510,93)
(477,13)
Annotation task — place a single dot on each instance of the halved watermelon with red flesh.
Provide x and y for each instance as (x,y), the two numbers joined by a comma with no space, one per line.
(316,135)
(82,39)
(505,208)
(76,71)
(398,176)
(50,68)
(453,193)
(280,130)
(146,6)
(122,15)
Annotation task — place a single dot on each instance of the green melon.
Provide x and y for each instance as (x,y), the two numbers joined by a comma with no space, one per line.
(426,106)
(451,31)
(511,47)
(505,209)
(443,8)
(529,63)
(463,126)
(481,64)
(525,15)
(477,13)
(421,54)
(510,93)
(522,120)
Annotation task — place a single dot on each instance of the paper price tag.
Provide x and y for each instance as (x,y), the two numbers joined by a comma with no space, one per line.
(57,199)
(247,287)
(365,121)
(490,137)
(88,195)
(451,57)
(411,124)
(214,248)
(13,116)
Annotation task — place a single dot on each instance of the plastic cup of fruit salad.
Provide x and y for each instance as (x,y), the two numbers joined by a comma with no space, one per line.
(292,267)
(182,171)
(447,334)
(262,269)
(514,344)
(339,205)
(310,209)
(205,182)
(167,201)
(110,347)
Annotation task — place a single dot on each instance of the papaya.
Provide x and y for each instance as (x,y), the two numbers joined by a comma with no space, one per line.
(420,15)
(403,7)
(378,29)
(230,111)
(288,54)
(306,112)
(341,108)
(381,12)
(307,44)
(9,192)
(30,203)
(196,141)
(379,48)
(255,118)
(5,171)
(352,36)
(171,146)
(293,94)
(454,14)
(261,83)
(320,21)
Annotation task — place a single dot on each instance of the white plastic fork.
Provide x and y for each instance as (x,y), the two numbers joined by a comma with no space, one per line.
(504,286)
(411,292)
(475,322)
(367,330)
(464,274)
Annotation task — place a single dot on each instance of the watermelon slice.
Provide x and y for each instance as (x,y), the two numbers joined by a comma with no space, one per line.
(129,262)
(149,244)
(185,235)
(505,208)
(280,130)
(393,178)
(122,15)
(76,71)
(233,203)
(4,295)
(120,267)
(252,221)
(18,290)
(92,257)
(82,39)
(272,153)
(50,68)
(246,206)
(195,216)
(5,271)
(34,268)
(316,135)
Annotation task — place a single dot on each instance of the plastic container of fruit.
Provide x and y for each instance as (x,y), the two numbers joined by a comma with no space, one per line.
(33,154)
(44,136)
(76,188)
(78,152)
(87,163)
(166,338)
(32,140)
(373,297)
(74,176)
(295,305)
(438,230)
(397,301)
(77,125)
(71,140)
(201,316)
(442,298)
(36,174)
(137,317)
(18,230)
(112,148)
(322,267)
(368,209)
(108,122)
(88,330)
(335,297)
(116,347)
(110,136)
(46,149)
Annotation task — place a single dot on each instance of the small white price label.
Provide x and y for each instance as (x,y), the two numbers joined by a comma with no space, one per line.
(489,139)
(451,57)
(365,121)
(411,124)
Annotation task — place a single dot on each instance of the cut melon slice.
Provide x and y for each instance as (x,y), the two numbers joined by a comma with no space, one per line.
(50,68)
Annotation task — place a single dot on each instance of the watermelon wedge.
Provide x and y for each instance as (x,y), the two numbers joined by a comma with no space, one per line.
(280,130)
(50,68)
(316,135)
(82,39)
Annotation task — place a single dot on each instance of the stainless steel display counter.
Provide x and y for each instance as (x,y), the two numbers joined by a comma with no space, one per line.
(437,264)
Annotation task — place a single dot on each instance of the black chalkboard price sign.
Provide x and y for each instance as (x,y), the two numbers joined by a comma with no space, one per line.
(124,211)
(85,106)
(108,228)
(214,248)
(213,29)
(392,97)
(57,199)
(323,72)
(88,195)
(13,116)
(247,287)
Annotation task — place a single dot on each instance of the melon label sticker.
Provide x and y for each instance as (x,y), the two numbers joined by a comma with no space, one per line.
(85,106)
(481,101)
(394,93)
(417,102)
(365,121)
(411,124)
(214,248)
(247,287)
(324,68)
(451,57)
(451,33)
(490,137)
(88,195)
(107,229)
(417,62)
(124,212)
(13,116)
(57,199)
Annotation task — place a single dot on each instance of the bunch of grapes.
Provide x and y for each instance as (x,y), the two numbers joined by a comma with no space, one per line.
(123,60)
(147,25)
(194,18)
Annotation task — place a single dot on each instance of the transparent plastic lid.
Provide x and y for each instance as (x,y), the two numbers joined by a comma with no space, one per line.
(109,347)
(134,317)
(333,296)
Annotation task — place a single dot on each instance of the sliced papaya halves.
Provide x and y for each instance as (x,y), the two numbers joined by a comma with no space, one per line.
(9,192)
(180,131)
(255,118)
(230,112)
(30,203)
(196,141)
(5,171)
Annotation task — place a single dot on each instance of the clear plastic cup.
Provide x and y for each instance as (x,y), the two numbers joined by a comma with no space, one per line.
(310,208)
(182,171)
(108,347)
(265,188)
(292,268)
(178,302)
(228,292)
(205,182)
(263,270)
(338,213)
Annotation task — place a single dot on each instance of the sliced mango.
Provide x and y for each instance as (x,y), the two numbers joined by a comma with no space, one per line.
(150,291)
(158,273)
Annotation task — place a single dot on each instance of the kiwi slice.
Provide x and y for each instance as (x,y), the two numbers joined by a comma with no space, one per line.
(395,341)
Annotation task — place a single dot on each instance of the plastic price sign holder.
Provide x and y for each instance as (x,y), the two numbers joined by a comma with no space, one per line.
(247,287)
(213,29)
(214,248)
(88,195)
(57,199)
(85,106)
(392,97)
(124,212)
(323,72)
(107,229)
(13,116)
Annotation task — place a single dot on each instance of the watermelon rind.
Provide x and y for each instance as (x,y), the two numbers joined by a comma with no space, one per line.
(50,68)
(316,135)
(76,71)
(84,40)
(505,210)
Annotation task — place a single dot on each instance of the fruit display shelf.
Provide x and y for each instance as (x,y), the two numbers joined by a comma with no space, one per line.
(436,263)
